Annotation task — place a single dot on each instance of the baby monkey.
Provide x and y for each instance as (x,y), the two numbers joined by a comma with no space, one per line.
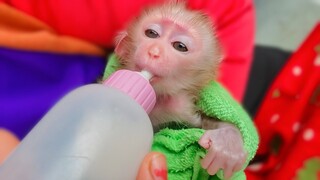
(179,48)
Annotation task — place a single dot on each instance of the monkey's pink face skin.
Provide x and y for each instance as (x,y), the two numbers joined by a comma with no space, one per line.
(165,48)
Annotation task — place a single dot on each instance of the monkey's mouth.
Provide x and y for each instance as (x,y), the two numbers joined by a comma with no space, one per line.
(154,76)
(150,77)
(155,79)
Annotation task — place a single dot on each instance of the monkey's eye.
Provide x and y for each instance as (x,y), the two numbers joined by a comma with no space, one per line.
(180,46)
(151,33)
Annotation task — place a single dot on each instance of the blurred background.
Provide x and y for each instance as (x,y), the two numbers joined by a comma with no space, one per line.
(287,56)
(281,27)
(285,23)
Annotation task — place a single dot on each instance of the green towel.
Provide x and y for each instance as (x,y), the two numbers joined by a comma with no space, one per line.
(183,154)
(215,102)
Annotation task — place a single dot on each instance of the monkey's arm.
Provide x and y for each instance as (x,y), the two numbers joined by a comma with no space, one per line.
(216,102)
(225,149)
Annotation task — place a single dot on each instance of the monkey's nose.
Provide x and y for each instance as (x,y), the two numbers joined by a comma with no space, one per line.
(154,52)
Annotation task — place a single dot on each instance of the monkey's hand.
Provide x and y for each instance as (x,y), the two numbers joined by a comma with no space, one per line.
(225,150)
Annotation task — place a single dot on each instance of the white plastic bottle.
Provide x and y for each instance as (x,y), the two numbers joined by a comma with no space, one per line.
(96,132)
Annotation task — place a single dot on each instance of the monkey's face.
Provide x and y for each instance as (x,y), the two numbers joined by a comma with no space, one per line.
(177,48)
(168,50)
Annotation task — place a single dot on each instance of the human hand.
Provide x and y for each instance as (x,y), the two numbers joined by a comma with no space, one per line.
(8,141)
(153,167)
(225,150)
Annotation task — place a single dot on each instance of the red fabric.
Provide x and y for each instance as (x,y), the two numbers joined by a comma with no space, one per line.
(98,21)
(234,20)
(290,114)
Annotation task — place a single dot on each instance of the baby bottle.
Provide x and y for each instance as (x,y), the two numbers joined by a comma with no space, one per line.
(96,132)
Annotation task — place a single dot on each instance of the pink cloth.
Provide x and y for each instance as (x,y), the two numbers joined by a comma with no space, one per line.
(98,21)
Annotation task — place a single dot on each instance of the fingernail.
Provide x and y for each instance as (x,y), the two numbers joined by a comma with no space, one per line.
(159,168)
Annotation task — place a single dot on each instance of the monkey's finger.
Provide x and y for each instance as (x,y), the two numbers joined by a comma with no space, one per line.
(239,165)
(215,166)
(208,159)
(230,166)
(205,140)
(228,172)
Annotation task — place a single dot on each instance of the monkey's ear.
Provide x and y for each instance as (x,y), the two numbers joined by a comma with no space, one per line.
(120,43)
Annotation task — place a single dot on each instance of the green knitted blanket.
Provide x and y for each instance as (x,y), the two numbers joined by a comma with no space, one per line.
(181,146)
